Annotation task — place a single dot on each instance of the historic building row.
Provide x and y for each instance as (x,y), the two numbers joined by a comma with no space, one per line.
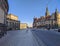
(47,21)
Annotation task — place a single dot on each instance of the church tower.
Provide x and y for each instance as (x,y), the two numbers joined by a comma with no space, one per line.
(56,11)
(47,12)
(56,14)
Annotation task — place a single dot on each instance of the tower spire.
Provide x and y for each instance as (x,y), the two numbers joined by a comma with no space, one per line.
(56,10)
(56,13)
(47,12)
(46,9)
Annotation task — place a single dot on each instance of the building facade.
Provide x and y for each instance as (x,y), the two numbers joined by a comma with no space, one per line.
(12,22)
(23,25)
(4,7)
(48,21)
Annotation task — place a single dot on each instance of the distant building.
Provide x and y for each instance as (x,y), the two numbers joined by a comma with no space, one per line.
(12,22)
(35,23)
(4,7)
(47,21)
(30,25)
(23,25)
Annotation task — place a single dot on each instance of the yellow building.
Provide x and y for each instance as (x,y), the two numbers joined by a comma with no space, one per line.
(12,22)
(23,25)
(58,20)
(13,17)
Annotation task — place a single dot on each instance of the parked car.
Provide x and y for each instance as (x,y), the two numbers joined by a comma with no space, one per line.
(59,30)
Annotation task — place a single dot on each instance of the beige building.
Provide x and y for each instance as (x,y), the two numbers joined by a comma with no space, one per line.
(23,25)
(58,20)
(12,17)
(12,22)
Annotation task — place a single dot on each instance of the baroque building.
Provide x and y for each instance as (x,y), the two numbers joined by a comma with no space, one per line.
(12,22)
(47,21)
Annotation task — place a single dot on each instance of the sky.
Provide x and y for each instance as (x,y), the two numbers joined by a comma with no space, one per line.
(27,9)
